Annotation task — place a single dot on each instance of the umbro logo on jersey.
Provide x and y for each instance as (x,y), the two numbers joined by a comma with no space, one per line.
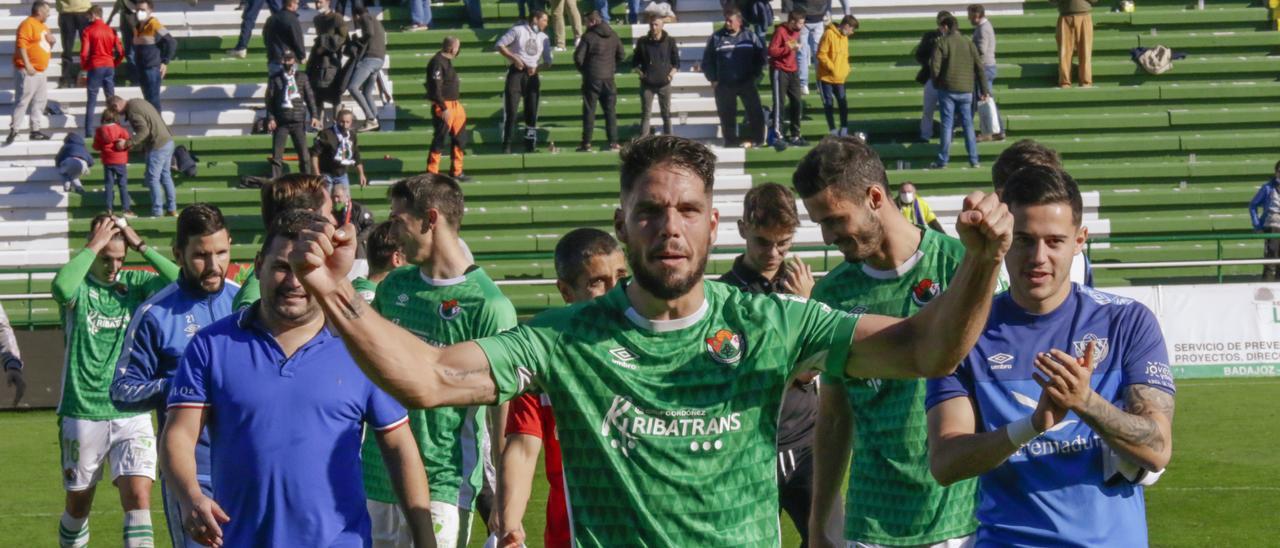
(924,292)
(726,347)
(1100,347)
(860,309)
(191,329)
(450,309)
(402,300)
(623,358)
(1000,361)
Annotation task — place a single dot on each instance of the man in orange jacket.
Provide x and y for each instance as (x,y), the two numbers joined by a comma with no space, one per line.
(100,53)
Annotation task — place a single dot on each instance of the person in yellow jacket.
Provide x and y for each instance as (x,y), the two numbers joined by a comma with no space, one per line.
(833,70)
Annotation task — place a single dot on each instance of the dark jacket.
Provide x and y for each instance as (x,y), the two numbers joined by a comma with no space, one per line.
(281,32)
(924,55)
(325,62)
(598,53)
(733,58)
(73,147)
(815,11)
(296,111)
(655,59)
(325,151)
(442,81)
(373,36)
(956,65)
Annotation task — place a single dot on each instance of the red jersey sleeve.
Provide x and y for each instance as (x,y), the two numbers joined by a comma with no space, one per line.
(523,416)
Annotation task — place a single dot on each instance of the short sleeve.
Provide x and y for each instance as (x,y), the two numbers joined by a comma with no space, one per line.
(1146,360)
(500,315)
(516,357)
(523,417)
(190,388)
(382,412)
(959,384)
(822,335)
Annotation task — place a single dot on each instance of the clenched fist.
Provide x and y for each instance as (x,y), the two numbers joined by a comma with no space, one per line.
(985,226)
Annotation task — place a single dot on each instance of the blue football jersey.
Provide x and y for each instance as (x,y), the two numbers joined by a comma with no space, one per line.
(1051,491)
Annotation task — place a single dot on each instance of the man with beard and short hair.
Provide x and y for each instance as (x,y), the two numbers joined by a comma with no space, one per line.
(162,326)
(666,373)
(892,267)
(285,406)
(97,300)
(293,191)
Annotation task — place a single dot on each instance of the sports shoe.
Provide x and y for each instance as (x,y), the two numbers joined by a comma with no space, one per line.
(462,177)
(9,140)
(936,165)
(369,125)
(129,214)
(416,28)
(171,214)
(237,53)
(615,146)
(39,136)
(559,49)
(975,165)
(798,142)
(584,148)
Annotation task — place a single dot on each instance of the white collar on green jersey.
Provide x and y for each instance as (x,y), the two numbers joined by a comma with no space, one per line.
(442,283)
(663,326)
(898,272)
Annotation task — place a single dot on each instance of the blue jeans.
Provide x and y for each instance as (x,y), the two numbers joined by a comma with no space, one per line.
(339,180)
(160,180)
(420,12)
(602,6)
(117,175)
(250,18)
(930,105)
(832,96)
(103,78)
(363,80)
(951,102)
(810,33)
(475,17)
(151,86)
(990,72)
(633,11)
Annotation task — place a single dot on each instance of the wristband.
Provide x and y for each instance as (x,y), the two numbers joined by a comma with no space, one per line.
(1021,431)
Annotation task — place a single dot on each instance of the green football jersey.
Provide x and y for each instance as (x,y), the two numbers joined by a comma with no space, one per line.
(365,288)
(892,498)
(95,319)
(249,289)
(668,429)
(441,312)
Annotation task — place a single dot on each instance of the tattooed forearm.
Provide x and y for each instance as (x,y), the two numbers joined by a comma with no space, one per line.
(1143,430)
(1114,424)
(353,307)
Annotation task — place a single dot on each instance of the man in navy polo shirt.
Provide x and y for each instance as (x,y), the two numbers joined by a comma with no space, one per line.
(284,404)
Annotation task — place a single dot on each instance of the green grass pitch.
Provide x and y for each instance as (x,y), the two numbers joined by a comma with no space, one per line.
(1222,489)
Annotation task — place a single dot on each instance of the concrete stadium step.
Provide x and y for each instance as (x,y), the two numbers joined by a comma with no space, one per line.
(710,10)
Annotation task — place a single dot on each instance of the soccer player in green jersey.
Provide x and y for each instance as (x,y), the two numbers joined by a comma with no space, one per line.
(667,388)
(443,299)
(97,300)
(383,251)
(293,191)
(892,267)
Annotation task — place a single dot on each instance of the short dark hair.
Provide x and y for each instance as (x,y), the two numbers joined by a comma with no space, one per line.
(594,17)
(35,7)
(978,10)
(847,164)
(147,2)
(942,14)
(95,11)
(107,217)
(382,245)
(647,152)
(1277,168)
(796,15)
(431,191)
(198,220)
(733,12)
(535,14)
(1040,185)
(948,22)
(1026,152)
(110,116)
(292,191)
(770,205)
(579,246)
(289,224)
(849,21)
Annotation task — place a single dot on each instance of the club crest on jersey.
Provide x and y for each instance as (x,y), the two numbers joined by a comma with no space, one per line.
(1100,347)
(924,292)
(450,309)
(726,347)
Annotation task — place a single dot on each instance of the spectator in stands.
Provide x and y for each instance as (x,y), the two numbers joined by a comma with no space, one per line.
(153,47)
(1267,202)
(419,15)
(785,76)
(1075,37)
(324,66)
(336,150)
(732,62)
(657,58)
(346,209)
(526,46)
(447,115)
(115,161)
(73,161)
(127,9)
(833,70)
(152,135)
(597,57)
(73,17)
(249,20)
(557,12)
(757,15)
(816,13)
(915,209)
(100,53)
(924,56)
(984,37)
(475,16)
(283,32)
(956,67)
(30,60)
(290,103)
(11,359)
(372,41)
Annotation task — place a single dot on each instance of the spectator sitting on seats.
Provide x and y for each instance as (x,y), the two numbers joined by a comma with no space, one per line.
(924,56)
(290,103)
(733,61)
(833,70)
(73,17)
(73,161)
(283,32)
(115,161)
(955,68)
(337,150)
(30,60)
(100,53)
(525,46)
(372,40)
(915,209)
(1075,37)
(657,58)
(1267,202)
(785,77)
(597,57)
(346,209)
(153,47)
(151,134)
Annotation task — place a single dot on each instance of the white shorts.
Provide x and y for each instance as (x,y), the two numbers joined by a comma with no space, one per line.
(129,443)
(390,528)
(958,542)
(452,525)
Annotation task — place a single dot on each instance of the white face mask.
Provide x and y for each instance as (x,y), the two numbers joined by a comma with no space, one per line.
(143,15)
(907,197)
